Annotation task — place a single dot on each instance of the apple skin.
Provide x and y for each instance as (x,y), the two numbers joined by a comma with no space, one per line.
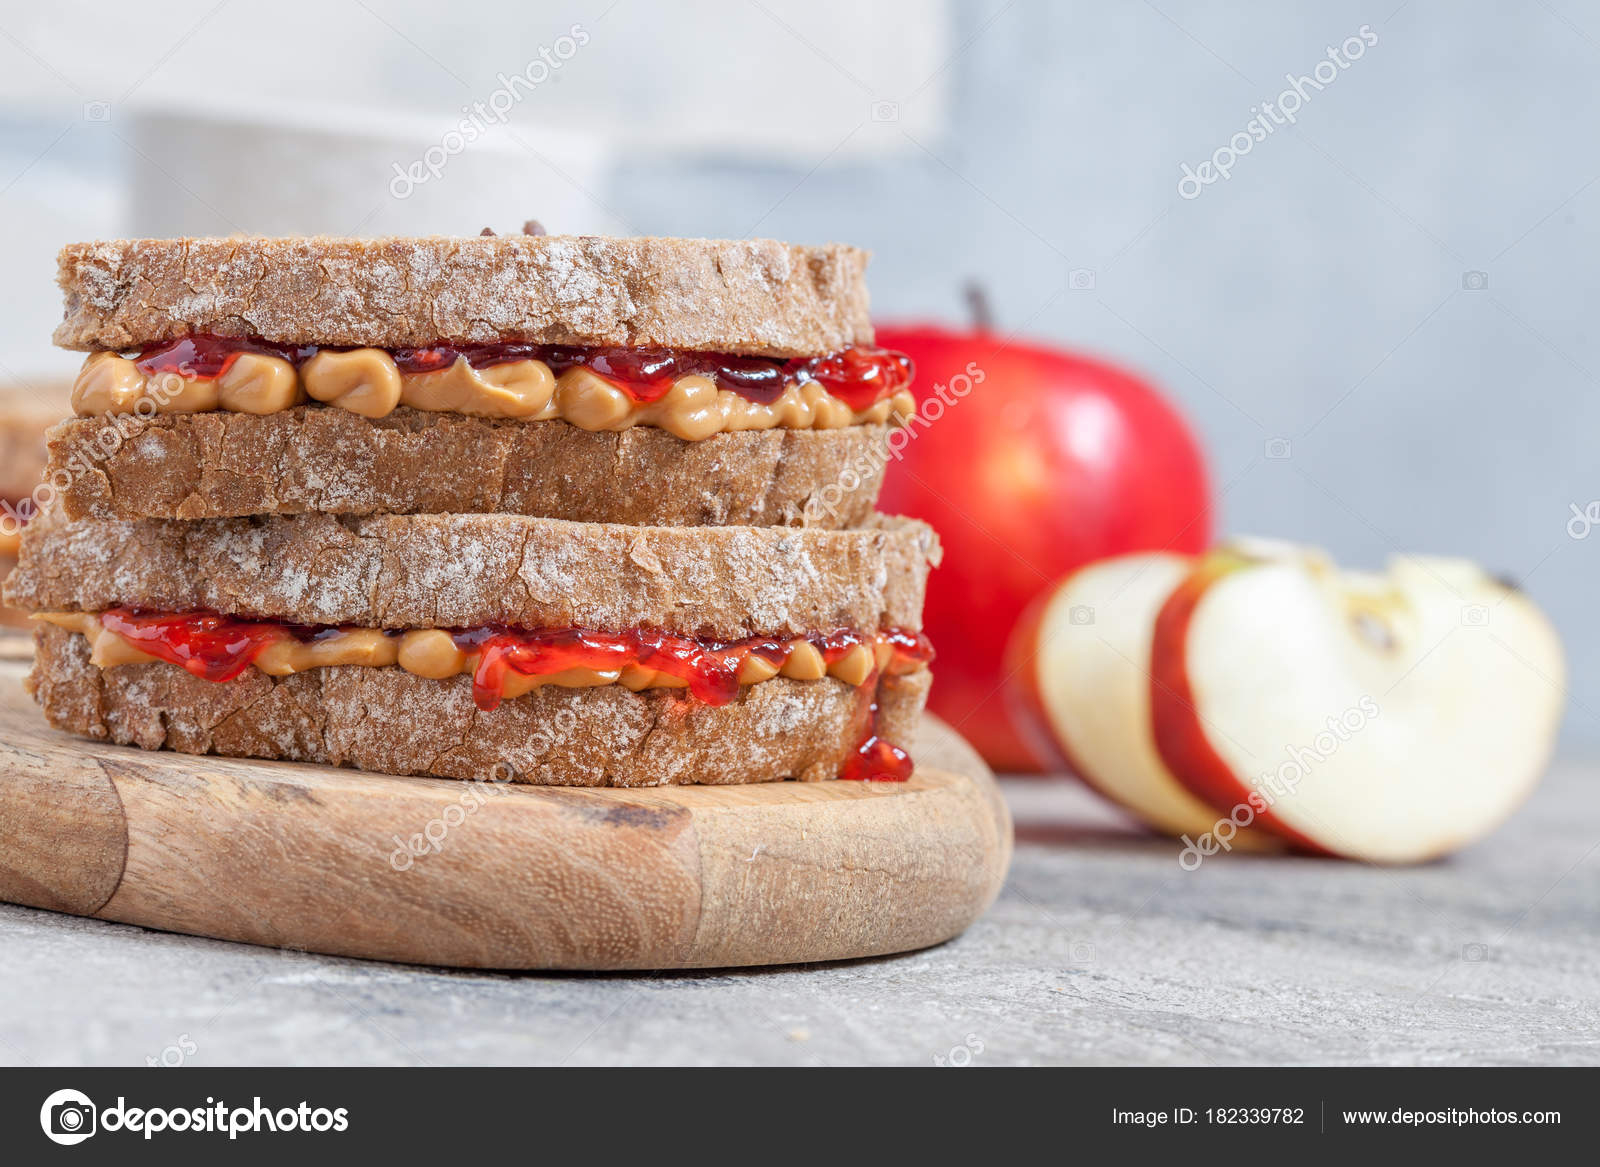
(1041,461)
(1179,736)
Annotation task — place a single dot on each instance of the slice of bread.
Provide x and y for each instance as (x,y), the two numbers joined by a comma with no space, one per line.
(222,465)
(755,296)
(388,720)
(463,571)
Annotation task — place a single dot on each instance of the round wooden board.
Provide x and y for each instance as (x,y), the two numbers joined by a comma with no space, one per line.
(325,859)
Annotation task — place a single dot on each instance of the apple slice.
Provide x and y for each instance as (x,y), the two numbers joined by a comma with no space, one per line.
(1391,718)
(1082,662)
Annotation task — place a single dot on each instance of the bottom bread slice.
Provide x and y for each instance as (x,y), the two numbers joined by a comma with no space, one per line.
(389,720)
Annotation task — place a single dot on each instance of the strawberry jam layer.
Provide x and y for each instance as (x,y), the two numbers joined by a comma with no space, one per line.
(212,647)
(711,671)
(859,376)
(220,648)
(205,358)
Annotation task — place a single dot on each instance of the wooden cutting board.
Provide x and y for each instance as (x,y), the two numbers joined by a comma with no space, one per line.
(449,873)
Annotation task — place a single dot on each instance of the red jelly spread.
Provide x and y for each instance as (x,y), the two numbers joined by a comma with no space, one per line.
(709,668)
(207,357)
(215,648)
(219,648)
(876,760)
(860,376)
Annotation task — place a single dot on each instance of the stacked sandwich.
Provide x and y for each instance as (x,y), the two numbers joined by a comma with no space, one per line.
(568,510)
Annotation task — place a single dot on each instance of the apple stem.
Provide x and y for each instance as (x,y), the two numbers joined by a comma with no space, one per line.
(978,304)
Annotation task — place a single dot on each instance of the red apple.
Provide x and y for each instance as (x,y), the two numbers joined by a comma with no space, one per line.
(1391,718)
(1030,461)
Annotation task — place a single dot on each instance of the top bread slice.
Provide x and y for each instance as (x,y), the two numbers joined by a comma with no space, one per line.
(757,297)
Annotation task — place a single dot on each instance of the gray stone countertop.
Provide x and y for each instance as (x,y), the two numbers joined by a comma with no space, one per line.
(1100,950)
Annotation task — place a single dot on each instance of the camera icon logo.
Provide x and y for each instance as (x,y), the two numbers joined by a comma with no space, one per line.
(886,111)
(1279,449)
(1474,953)
(1475,281)
(1081,952)
(1081,279)
(1080,614)
(1474,616)
(68,1117)
(97,111)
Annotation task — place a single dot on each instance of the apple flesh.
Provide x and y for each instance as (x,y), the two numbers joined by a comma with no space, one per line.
(1082,666)
(1391,718)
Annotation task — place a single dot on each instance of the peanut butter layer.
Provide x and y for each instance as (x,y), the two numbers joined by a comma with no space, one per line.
(369,383)
(433,653)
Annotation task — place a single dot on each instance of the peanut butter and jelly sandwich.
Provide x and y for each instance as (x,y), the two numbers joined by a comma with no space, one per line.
(566,510)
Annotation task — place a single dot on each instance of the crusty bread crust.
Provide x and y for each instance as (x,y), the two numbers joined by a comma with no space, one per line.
(222,465)
(388,720)
(750,296)
(458,571)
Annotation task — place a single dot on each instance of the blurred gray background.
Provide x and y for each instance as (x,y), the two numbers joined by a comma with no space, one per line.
(1394,290)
